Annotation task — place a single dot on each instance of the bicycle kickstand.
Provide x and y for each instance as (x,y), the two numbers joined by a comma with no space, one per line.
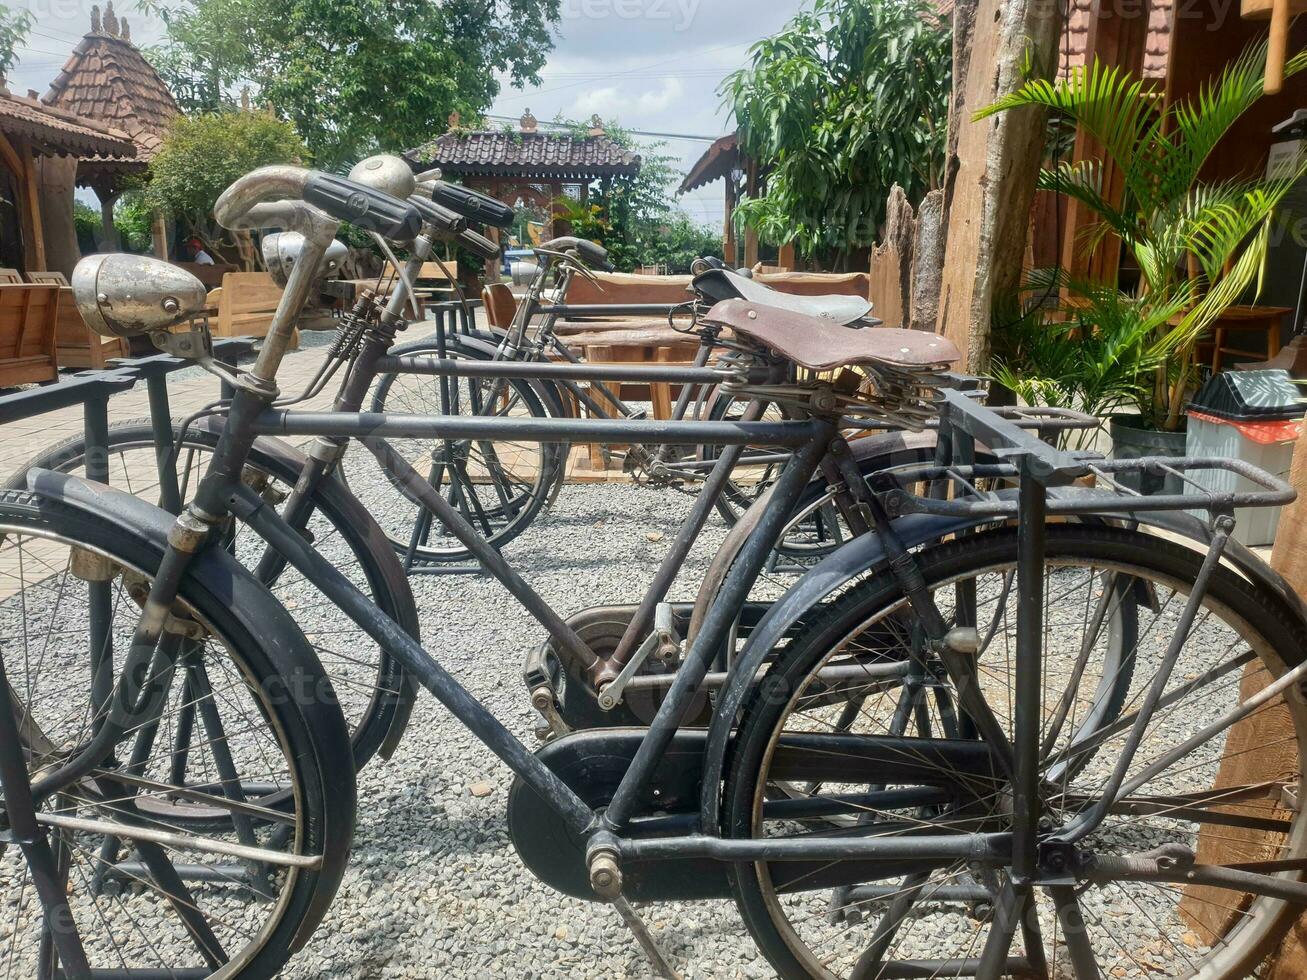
(661,964)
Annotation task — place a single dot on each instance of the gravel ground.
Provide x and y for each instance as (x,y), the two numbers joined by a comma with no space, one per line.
(436,889)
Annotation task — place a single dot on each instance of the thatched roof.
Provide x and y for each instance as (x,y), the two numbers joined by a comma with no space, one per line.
(108,80)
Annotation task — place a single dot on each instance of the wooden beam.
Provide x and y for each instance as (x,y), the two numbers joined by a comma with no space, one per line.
(109,233)
(728,234)
(1117,37)
(31,192)
(991,175)
(159,232)
(750,233)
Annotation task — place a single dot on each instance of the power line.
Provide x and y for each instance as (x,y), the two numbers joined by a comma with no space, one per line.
(633,132)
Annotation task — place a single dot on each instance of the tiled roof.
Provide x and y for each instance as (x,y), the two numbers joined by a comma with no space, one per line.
(54,131)
(109,80)
(716,163)
(517,154)
(1157,46)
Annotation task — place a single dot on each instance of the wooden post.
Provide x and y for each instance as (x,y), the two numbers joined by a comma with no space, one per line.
(31,193)
(991,179)
(787,258)
(109,233)
(57,177)
(891,261)
(750,234)
(1117,37)
(927,263)
(159,234)
(728,235)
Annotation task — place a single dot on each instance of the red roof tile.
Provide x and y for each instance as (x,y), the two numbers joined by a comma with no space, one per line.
(108,79)
(54,131)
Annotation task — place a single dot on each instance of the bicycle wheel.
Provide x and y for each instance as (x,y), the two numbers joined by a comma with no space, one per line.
(919,918)
(500,486)
(213,861)
(374,692)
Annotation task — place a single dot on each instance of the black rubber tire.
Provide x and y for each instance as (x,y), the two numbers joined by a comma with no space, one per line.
(538,404)
(386,715)
(767,706)
(266,645)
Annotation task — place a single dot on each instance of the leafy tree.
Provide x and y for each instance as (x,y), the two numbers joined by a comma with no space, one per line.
(14,25)
(202,155)
(635,218)
(848,100)
(354,76)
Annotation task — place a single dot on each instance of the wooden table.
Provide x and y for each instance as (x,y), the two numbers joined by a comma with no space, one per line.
(1242,319)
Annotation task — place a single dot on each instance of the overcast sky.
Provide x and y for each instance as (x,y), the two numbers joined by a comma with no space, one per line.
(650,64)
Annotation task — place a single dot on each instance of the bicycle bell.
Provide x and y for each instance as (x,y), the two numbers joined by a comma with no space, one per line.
(387,173)
(130,295)
(281,250)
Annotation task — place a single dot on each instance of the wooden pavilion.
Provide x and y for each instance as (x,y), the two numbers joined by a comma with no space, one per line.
(744,178)
(527,167)
(108,79)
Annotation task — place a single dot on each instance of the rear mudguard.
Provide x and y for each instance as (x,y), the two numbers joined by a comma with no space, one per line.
(867,554)
(146,527)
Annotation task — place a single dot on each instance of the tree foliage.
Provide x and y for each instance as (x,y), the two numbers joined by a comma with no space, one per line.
(202,155)
(354,76)
(1168,214)
(14,25)
(848,100)
(635,218)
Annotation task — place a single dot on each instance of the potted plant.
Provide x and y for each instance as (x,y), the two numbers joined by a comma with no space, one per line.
(1199,245)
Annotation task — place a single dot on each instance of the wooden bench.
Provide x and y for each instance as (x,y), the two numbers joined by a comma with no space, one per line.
(431,283)
(76,344)
(245,303)
(29,317)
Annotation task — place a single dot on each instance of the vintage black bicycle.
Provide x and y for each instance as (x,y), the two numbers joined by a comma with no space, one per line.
(923,782)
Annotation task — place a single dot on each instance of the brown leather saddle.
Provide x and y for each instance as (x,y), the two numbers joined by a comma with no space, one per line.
(821,345)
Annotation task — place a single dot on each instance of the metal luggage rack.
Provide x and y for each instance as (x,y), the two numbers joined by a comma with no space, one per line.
(963,423)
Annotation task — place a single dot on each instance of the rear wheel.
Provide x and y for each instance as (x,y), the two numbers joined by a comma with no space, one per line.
(208,839)
(893,765)
(500,486)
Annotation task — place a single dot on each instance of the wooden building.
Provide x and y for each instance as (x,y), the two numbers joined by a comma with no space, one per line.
(108,79)
(527,167)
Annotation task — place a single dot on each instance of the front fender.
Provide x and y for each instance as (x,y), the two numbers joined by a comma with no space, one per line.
(867,553)
(142,529)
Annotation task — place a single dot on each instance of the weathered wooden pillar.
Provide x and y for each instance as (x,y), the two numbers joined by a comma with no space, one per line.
(108,232)
(750,234)
(31,193)
(159,235)
(56,179)
(993,162)
(728,233)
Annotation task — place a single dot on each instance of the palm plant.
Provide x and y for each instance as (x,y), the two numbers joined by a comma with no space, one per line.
(1168,219)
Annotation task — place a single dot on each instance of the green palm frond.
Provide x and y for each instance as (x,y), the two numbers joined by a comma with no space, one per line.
(1198,124)
(1106,103)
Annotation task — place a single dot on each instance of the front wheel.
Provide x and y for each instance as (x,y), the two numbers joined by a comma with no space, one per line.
(863,754)
(209,838)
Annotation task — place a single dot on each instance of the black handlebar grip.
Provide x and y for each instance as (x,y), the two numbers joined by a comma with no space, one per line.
(592,253)
(480,244)
(443,220)
(363,207)
(473,205)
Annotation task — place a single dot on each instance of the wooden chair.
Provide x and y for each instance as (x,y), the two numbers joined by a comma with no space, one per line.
(245,303)
(29,316)
(500,304)
(76,345)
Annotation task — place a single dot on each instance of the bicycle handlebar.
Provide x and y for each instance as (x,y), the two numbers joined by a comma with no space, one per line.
(592,253)
(342,199)
(480,244)
(471,204)
(442,219)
